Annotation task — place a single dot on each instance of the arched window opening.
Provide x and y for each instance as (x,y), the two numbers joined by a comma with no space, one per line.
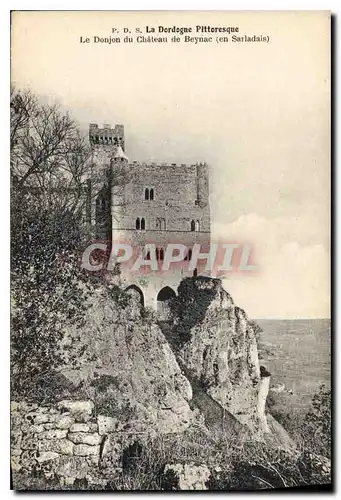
(148,255)
(192,225)
(143,224)
(161,254)
(100,203)
(137,223)
(164,298)
(146,194)
(195,272)
(151,194)
(160,224)
(157,254)
(197,226)
(166,293)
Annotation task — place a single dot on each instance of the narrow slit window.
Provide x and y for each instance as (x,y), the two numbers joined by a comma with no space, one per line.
(143,224)
(146,194)
(192,225)
(151,194)
(137,223)
(161,254)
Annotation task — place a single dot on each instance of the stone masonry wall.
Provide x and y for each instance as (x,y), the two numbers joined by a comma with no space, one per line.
(175,199)
(67,441)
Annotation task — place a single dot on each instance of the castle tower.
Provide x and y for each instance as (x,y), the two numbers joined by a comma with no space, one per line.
(119,175)
(104,142)
(153,204)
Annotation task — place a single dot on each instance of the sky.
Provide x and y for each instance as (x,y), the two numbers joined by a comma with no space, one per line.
(257,113)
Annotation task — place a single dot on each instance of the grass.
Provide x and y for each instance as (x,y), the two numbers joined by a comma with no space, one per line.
(234,464)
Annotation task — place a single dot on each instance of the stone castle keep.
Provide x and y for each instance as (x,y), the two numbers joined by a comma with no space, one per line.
(148,203)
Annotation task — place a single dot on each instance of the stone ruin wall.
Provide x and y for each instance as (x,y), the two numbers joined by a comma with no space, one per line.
(67,441)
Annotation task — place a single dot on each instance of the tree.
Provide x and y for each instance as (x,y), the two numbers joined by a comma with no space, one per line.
(49,163)
(318,422)
(47,289)
(50,158)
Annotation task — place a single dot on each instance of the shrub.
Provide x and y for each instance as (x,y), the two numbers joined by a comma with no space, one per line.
(311,430)
(189,307)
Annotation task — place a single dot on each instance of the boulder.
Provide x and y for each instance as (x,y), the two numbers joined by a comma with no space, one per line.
(186,477)
(52,434)
(64,422)
(62,446)
(80,428)
(40,418)
(85,450)
(85,438)
(45,456)
(80,410)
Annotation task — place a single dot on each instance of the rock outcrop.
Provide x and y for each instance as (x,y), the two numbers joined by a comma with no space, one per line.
(186,477)
(217,346)
(125,365)
(129,381)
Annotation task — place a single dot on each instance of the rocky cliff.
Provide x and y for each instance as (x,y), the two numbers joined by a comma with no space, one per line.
(140,379)
(126,366)
(217,345)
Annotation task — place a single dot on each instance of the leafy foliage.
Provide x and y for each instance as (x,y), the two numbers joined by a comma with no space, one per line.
(318,421)
(189,307)
(312,430)
(47,288)
(49,163)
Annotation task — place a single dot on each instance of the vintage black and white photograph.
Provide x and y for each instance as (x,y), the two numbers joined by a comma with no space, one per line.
(170,250)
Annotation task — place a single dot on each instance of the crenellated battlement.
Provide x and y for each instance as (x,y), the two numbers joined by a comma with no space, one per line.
(168,165)
(106,135)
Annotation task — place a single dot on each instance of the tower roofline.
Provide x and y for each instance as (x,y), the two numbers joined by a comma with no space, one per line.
(106,126)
